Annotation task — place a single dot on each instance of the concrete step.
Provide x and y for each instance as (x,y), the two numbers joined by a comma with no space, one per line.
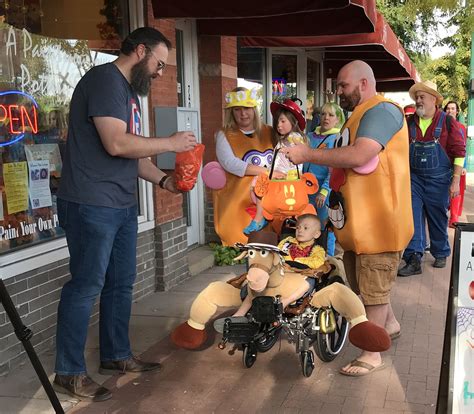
(200,259)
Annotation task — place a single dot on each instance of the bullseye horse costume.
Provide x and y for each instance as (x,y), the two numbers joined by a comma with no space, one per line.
(267,276)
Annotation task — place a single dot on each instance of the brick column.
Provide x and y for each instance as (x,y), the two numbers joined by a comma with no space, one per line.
(170,232)
(217,76)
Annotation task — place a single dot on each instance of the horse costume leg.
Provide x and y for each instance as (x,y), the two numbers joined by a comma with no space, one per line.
(363,334)
(192,334)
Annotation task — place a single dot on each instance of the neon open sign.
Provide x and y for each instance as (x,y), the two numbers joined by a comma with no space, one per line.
(17,116)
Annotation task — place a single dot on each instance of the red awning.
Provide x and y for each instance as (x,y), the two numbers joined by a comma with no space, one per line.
(273,18)
(381,50)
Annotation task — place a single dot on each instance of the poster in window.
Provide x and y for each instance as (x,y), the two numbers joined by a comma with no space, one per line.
(16,186)
(49,152)
(39,191)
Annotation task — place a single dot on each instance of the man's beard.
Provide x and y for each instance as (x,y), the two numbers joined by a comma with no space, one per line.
(141,78)
(349,102)
(420,111)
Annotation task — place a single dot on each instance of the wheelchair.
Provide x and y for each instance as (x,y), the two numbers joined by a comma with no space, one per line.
(321,329)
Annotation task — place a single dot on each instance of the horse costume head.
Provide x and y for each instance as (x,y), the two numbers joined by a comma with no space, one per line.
(265,260)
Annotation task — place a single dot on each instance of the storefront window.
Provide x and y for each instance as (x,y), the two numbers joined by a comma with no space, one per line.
(284,75)
(250,72)
(39,70)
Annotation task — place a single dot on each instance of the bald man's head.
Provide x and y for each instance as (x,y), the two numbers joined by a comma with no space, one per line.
(355,84)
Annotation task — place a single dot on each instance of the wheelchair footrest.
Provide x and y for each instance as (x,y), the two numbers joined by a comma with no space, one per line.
(240,332)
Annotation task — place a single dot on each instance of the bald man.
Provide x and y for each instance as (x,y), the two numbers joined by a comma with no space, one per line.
(370,204)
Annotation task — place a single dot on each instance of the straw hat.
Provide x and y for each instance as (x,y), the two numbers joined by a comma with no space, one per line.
(428,87)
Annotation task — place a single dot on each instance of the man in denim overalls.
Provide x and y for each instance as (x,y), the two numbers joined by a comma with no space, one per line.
(437,153)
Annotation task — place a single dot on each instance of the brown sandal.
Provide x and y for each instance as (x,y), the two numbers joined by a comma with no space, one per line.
(361,364)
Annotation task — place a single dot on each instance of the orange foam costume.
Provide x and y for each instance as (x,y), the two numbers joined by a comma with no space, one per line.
(231,202)
(374,214)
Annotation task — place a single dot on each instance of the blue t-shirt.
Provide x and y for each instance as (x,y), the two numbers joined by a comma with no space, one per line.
(381,122)
(90,175)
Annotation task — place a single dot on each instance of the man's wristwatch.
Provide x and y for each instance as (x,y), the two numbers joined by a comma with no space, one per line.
(162,182)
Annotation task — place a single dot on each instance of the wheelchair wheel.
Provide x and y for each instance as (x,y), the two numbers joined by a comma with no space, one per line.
(327,346)
(249,355)
(307,363)
(268,339)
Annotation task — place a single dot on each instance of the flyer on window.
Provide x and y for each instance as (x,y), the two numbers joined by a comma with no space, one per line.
(39,191)
(48,152)
(15,177)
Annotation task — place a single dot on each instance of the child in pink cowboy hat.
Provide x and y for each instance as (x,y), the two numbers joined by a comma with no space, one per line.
(288,125)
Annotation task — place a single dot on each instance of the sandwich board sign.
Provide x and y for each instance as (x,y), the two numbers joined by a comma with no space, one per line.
(456,388)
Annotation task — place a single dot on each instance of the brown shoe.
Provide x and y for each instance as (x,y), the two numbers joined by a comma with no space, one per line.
(132,364)
(81,386)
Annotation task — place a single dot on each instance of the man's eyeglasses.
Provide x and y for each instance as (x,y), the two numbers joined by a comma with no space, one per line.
(160,65)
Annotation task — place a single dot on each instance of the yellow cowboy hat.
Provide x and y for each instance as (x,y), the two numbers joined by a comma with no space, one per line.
(428,87)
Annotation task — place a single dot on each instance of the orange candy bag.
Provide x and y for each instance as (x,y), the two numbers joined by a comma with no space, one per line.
(187,167)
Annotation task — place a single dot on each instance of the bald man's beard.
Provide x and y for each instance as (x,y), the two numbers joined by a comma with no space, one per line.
(349,102)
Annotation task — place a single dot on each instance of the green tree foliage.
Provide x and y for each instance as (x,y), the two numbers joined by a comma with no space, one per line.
(415,23)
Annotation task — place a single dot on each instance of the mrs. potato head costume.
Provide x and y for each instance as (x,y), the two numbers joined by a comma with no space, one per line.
(233,199)
(267,277)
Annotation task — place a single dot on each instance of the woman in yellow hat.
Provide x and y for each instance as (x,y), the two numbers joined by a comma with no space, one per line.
(244,149)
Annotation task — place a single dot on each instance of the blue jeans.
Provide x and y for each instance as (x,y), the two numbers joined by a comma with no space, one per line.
(102,244)
(430,200)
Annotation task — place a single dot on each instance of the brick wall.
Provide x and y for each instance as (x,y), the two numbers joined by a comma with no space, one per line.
(171,254)
(36,296)
(217,76)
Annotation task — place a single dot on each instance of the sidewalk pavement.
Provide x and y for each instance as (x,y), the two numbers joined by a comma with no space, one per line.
(214,381)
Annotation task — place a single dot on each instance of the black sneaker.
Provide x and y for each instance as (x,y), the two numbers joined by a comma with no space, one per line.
(412,267)
(132,364)
(81,386)
(439,262)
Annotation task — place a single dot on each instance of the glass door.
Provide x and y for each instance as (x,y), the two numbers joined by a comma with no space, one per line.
(313,94)
(188,97)
(287,73)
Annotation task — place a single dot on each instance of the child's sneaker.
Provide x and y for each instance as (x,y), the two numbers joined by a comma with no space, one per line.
(254,226)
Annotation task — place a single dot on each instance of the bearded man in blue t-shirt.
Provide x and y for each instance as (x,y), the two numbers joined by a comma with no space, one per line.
(97,207)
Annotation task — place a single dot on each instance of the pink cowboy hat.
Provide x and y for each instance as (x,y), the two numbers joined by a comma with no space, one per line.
(291,106)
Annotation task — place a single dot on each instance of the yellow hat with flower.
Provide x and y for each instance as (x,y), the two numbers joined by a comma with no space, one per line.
(246,98)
